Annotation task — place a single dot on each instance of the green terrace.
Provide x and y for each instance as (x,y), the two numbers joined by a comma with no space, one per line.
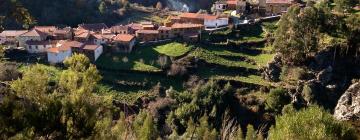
(143,58)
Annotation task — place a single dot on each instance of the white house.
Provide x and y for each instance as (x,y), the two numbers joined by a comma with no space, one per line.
(39,46)
(216,22)
(58,54)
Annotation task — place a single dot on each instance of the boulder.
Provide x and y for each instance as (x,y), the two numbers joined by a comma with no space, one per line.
(325,75)
(273,69)
(348,106)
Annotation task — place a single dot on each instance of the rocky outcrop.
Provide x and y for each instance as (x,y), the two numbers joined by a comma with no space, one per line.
(273,69)
(348,107)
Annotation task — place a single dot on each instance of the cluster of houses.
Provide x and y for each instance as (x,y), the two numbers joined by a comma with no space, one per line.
(261,7)
(93,39)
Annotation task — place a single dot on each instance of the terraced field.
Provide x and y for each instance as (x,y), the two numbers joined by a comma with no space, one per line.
(135,73)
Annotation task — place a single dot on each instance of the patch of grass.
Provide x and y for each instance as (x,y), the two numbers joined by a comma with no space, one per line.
(261,58)
(141,59)
(213,58)
(139,66)
(173,49)
(252,79)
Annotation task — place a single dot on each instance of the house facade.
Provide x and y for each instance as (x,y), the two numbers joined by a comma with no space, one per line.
(209,21)
(39,46)
(93,51)
(124,43)
(147,35)
(58,54)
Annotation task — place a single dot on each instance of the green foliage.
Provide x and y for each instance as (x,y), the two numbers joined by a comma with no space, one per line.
(13,13)
(310,123)
(238,134)
(173,49)
(250,133)
(289,108)
(62,108)
(277,99)
(102,7)
(297,35)
(148,130)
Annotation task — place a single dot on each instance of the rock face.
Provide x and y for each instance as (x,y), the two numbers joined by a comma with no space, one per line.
(348,107)
(273,69)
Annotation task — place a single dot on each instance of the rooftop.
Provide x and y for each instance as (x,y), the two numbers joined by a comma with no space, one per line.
(198,16)
(90,46)
(12,33)
(124,37)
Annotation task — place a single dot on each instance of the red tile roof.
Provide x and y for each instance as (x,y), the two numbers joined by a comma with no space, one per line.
(71,44)
(90,46)
(124,37)
(58,49)
(35,32)
(198,16)
(135,26)
(46,29)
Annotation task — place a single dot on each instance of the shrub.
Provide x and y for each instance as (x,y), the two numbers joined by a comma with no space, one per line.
(311,123)
(277,99)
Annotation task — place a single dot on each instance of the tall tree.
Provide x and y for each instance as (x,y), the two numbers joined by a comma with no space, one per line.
(311,123)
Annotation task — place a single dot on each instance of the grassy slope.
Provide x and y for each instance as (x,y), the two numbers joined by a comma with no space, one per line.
(174,49)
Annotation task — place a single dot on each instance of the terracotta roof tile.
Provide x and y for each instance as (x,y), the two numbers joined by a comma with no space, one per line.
(124,37)
(91,46)
(198,16)
(35,32)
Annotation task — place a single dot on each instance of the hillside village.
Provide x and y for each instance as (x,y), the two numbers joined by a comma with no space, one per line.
(180,69)
(91,38)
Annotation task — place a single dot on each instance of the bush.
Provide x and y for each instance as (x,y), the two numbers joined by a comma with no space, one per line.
(311,123)
(277,99)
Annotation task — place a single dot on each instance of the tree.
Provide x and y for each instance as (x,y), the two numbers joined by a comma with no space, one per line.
(310,123)
(298,34)
(102,7)
(277,99)
(250,133)
(148,130)
(159,5)
(12,13)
